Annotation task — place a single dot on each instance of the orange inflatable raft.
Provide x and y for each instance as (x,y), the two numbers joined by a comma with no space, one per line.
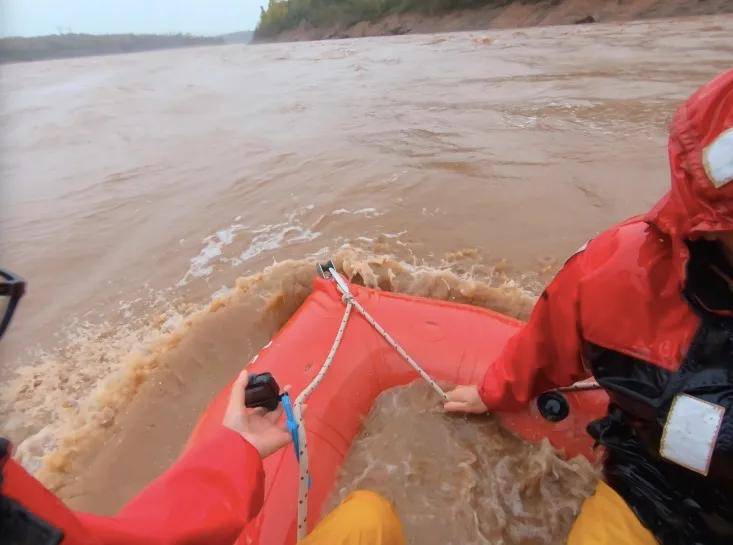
(454,343)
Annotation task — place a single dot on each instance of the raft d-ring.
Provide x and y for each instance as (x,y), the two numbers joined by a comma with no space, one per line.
(328,271)
(324,269)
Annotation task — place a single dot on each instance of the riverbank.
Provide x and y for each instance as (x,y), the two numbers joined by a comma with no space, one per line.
(502,14)
(62,46)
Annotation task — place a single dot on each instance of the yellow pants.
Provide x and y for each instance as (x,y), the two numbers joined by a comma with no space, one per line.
(605,519)
(364,518)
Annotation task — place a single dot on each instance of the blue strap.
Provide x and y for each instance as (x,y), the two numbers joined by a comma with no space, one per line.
(292,427)
(291,422)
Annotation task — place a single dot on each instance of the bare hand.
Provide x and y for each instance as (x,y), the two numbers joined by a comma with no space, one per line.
(258,427)
(464,399)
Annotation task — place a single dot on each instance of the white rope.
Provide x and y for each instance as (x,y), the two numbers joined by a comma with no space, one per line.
(329,359)
(304,481)
(401,351)
(351,303)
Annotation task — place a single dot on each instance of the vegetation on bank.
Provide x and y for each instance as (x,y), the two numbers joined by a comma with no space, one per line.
(78,45)
(282,15)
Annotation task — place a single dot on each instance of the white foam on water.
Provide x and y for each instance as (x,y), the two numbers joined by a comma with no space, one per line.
(366,212)
(273,237)
(221,293)
(266,238)
(202,264)
(172,322)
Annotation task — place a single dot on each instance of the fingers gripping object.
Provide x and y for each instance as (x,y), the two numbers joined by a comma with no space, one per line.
(263,391)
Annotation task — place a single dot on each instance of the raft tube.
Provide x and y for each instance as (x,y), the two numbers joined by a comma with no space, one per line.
(454,343)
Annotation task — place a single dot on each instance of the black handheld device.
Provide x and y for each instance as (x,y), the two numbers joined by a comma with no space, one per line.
(262,391)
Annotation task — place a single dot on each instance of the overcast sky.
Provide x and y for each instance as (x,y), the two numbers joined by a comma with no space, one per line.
(206,17)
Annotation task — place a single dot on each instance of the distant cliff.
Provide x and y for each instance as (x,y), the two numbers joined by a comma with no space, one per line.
(78,45)
(290,20)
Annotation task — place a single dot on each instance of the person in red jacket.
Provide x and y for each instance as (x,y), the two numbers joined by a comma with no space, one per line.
(647,309)
(206,498)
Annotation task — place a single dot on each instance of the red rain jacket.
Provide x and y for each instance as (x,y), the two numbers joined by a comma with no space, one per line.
(205,498)
(624,291)
(647,308)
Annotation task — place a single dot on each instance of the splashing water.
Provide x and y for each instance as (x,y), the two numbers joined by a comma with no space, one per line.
(463,480)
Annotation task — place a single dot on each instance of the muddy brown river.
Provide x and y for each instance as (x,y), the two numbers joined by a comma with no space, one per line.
(142,194)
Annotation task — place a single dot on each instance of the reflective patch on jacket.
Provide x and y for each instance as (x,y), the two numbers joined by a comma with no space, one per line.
(718,159)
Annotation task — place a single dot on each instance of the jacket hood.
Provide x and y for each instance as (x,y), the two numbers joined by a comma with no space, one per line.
(700,200)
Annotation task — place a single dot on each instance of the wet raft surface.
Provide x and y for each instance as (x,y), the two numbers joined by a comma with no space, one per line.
(458,480)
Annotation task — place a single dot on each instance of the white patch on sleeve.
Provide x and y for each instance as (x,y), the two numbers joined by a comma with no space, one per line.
(718,159)
(691,432)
